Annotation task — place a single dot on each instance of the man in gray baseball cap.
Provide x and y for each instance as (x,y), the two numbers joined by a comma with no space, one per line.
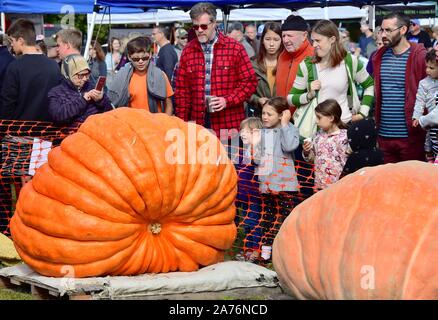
(181,37)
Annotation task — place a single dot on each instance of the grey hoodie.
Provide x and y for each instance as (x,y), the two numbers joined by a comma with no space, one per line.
(274,156)
(118,90)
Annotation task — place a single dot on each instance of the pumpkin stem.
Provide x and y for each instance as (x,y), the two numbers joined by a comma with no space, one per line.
(155,228)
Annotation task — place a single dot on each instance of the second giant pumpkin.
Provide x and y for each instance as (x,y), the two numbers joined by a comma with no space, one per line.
(372,235)
(131,192)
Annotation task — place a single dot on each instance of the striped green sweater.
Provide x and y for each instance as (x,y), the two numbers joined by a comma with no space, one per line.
(356,74)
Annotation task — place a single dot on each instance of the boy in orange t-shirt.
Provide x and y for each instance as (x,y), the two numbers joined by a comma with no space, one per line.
(139,93)
(140,84)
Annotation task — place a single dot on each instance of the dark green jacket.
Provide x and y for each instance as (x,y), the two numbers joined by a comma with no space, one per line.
(263,89)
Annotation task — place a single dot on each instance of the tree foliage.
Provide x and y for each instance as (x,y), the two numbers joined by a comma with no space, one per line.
(80,23)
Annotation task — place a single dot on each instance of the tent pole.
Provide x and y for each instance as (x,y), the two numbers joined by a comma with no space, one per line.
(3,22)
(91,30)
(225,17)
(374,17)
(326,9)
(224,20)
(326,13)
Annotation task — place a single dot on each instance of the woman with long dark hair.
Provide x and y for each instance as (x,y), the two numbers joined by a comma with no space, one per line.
(97,61)
(265,65)
(113,56)
(338,72)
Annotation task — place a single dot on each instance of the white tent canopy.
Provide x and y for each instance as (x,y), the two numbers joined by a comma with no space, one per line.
(248,14)
(342,12)
(265,14)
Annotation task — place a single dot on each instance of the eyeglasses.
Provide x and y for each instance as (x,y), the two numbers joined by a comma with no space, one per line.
(145,58)
(389,30)
(83,75)
(202,26)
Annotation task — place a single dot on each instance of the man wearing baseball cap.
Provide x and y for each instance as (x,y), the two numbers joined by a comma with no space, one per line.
(181,36)
(52,49)
(417,35)
(296,47)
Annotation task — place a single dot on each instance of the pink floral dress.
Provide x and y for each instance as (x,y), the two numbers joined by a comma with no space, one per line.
(329,155)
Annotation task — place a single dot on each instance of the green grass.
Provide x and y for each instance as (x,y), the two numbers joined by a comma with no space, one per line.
(9,294)
(14,294)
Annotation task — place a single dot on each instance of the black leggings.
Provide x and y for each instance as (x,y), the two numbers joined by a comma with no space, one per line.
(275,209)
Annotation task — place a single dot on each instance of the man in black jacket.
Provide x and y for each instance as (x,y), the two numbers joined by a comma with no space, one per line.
(26,84)
(5,59)
(5,184)
(167,57)
(28,79)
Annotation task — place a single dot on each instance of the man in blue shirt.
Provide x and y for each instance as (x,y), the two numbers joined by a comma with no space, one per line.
(365,39)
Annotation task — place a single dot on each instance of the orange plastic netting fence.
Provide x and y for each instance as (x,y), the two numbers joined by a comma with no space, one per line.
(25,145)
(24,148)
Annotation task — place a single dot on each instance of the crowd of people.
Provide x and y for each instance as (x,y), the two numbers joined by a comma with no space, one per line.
(372,103)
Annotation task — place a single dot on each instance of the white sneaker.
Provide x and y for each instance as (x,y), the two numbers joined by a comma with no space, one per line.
(266,252)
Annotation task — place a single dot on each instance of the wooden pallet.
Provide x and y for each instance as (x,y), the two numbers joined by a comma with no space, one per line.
(42,292)
(104,288)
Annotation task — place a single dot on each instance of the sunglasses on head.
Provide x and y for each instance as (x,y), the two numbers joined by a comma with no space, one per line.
(202,26)
(145,58)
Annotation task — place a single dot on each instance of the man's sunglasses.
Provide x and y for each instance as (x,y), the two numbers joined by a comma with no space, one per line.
(145,58)
(202,26)
(184,38)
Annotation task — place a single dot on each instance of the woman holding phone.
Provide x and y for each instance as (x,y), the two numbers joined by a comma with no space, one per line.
(76,97)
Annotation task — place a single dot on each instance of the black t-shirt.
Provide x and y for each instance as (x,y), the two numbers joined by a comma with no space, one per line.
(27,82)
(5,59)
(423,37)
(167,59)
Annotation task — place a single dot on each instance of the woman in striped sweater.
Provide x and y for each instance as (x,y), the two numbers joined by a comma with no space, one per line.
(338,72)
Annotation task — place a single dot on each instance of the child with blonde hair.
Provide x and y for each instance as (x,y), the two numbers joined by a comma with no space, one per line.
(248,196)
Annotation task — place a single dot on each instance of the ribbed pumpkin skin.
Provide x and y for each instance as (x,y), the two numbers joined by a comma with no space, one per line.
(381,220)
(104,191)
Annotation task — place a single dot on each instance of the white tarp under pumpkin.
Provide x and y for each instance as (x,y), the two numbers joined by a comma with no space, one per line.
(220,278)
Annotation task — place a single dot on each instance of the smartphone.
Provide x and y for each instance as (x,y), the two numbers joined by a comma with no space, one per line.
(100,83)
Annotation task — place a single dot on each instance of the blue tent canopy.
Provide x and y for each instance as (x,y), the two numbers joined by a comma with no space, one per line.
(127,6)
(292,4)
(54,7)
(223,3)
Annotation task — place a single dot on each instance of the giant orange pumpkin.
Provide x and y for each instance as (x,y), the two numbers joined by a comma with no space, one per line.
(110,202)
(372,235)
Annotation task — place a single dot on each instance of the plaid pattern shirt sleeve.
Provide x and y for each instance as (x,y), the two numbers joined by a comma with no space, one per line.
(232,77)
(182,89)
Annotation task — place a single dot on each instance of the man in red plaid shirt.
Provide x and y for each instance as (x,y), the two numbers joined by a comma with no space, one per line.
(217,66)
